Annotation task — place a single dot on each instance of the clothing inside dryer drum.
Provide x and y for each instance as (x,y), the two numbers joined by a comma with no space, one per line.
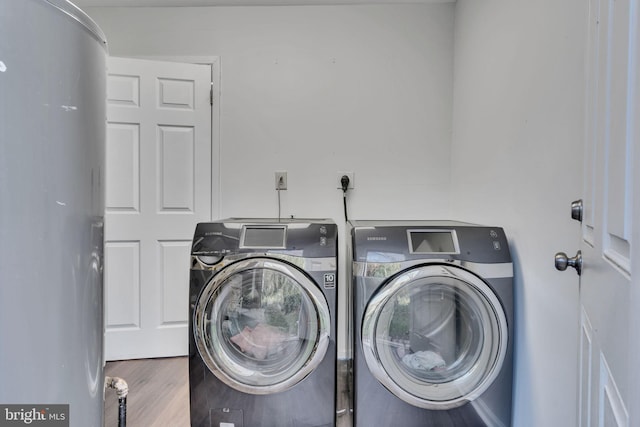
(263,320)
(435,332)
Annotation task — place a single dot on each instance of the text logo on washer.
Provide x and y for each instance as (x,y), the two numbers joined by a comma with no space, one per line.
(329,280)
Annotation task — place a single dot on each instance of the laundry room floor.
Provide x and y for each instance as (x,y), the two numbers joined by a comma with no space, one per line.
(158,392)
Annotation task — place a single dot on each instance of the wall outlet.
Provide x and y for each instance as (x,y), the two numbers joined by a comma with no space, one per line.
(352,182)
(281,180)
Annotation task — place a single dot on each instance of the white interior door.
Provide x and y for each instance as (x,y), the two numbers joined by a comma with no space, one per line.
(158,188)
(608,293)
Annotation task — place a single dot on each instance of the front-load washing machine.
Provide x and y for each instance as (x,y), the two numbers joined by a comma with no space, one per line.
(262,349)
(433,324)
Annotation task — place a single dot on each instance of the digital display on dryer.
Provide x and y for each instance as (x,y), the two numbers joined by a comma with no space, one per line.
(433,242)
(263,237)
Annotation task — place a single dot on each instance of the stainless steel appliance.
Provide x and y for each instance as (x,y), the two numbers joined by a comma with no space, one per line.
(262,342)
(52,136)
(433,317)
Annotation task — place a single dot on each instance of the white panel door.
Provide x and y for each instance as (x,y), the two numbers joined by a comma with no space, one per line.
(158,188)
(608,290)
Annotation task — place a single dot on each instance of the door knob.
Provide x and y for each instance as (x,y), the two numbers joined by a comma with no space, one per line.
(576,210)
(563,261)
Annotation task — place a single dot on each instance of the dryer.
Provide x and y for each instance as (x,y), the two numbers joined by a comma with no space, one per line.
(433,324)
(262,342)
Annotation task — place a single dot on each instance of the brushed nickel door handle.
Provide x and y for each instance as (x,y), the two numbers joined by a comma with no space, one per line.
(562,261)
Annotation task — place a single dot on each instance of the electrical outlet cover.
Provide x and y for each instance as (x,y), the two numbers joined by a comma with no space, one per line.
(281,180)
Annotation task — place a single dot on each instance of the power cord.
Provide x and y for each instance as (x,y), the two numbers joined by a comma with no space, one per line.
(279,204)
(344,182)
(281,184)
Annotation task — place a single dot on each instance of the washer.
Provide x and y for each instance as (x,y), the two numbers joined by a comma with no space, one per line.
(262,349)
(433,324)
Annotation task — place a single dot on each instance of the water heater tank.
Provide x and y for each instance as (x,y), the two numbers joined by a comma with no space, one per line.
(52,154)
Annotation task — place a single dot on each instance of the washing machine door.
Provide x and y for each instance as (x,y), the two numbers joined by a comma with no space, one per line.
(435,336)
(261,325)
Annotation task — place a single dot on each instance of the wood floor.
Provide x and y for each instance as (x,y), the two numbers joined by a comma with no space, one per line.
(158,392)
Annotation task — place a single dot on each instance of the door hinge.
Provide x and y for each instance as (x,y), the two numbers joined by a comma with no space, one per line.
(211,96)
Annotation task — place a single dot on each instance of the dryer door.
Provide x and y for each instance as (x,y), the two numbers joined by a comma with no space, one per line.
(261,325)
(435,336)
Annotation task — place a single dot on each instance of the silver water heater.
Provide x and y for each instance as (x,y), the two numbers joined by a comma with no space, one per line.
(52,156)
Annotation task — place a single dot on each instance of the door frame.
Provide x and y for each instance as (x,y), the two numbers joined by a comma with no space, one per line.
(634,316)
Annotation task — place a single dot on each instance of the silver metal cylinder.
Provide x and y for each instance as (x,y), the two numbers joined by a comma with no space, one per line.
(52,136)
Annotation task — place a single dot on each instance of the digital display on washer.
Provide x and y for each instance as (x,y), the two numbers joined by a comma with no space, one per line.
(263,237)
(433,242)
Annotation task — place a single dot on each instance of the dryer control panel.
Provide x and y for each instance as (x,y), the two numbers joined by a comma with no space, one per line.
(393,241)
(301,238)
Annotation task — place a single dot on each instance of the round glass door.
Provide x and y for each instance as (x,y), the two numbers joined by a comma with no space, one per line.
(261,325)
(435,336)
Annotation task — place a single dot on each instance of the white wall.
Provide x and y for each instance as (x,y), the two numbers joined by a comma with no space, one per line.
(517,161)
(315,90)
